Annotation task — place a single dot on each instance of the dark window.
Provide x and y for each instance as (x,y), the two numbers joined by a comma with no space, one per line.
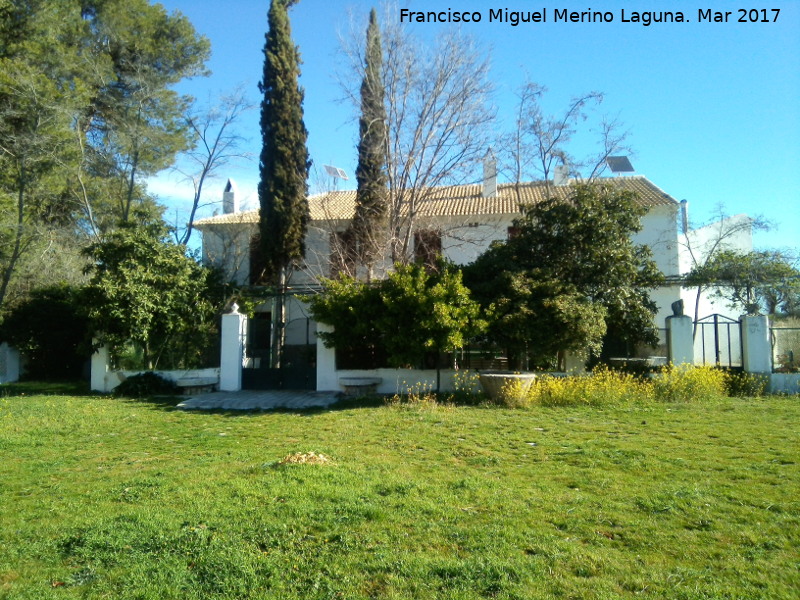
(343,254)
(259,337)
(427,247)
(257,262)
(513,232)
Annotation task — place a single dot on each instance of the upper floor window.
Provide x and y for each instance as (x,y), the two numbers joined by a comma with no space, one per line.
(257,262)
(428,247)
(343,254)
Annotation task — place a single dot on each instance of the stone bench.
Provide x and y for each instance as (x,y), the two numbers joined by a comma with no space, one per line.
(189,386)
(360,386)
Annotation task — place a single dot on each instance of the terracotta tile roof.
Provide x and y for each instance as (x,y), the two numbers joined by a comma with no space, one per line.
(460,200)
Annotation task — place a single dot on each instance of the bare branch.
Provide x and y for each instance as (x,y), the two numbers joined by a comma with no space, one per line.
(439,111)
(540,142)
(216,145)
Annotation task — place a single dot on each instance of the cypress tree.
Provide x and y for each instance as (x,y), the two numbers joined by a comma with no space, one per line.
(371,194)
(284,164)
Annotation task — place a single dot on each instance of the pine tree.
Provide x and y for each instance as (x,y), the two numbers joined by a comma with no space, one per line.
(284,164)
(371,195)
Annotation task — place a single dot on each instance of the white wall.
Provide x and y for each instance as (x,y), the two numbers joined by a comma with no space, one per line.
(732,233)
(228,247)
(403,381)
(317,262)
(660,233)
(111,379)
(664,297)
(784,383)
(300,329)
(464,239)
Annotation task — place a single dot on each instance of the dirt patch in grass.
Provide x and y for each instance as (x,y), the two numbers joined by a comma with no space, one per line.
(305,458)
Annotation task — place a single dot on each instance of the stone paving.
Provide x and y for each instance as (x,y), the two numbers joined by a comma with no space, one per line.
(260,400)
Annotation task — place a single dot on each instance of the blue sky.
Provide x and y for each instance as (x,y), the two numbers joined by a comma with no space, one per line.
(713,108)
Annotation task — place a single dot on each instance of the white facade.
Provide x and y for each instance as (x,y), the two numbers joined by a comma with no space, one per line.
(712,343)
(467,221)
(731,233)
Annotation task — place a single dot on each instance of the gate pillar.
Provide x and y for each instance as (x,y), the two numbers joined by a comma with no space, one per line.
(326,363)
(234,331)
(680,341)
(756,346)
(99,376)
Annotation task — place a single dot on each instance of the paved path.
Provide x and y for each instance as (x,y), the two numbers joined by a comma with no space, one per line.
(260,400)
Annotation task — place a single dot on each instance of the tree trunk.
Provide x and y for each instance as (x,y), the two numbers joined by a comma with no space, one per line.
(17,251)
(126,210)
(696,311)
(279,322)
(146,359)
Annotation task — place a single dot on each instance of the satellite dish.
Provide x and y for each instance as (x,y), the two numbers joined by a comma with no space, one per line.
(619,164)
(335,172)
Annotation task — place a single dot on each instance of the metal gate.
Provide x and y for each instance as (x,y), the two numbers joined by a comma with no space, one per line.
(299,364)
(718,341)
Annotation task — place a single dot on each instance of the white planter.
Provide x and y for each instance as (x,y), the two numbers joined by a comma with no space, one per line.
(493,383)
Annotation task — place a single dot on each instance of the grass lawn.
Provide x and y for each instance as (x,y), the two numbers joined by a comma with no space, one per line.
(109,498)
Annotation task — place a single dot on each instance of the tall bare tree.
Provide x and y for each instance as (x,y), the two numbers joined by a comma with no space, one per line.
(216,144)
(439,117)
(540,142)
(703,244)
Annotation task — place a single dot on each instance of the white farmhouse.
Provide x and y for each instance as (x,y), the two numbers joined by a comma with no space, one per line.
(459,222)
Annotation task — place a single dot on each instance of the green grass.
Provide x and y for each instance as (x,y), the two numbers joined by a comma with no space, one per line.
(108,498)
(45,388)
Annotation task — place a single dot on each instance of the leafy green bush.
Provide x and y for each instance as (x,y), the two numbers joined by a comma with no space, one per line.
(146,293)
(407,316)
(745,385)
(688,383)
(144,385)
(568,277)
(50,328)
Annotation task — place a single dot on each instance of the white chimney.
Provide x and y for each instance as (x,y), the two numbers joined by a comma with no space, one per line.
(561,175)
(685,216)
(230,198)
(489,175)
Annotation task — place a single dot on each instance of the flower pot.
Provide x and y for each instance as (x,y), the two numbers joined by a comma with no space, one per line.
(494,383)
